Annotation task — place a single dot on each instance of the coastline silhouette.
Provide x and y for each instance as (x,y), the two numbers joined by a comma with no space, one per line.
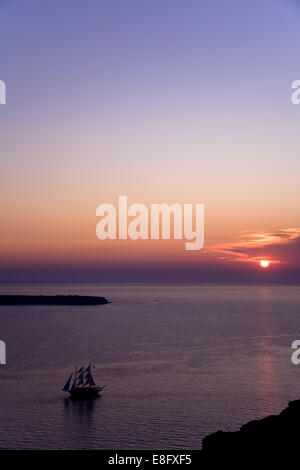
(52,300)
(271,437)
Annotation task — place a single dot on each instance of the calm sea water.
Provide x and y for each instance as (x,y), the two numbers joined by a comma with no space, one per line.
(178,362)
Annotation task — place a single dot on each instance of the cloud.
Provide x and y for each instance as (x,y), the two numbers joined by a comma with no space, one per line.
(280,247)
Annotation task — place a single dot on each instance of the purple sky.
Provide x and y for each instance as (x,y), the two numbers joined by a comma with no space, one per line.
(163,101)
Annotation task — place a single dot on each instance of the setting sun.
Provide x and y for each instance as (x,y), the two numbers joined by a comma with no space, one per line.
(264,263)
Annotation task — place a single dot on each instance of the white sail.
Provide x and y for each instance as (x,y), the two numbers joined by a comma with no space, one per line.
(67,385)
(80,376)
(73,386)
(92,381)
(89,381)
(80,380)
(75,380)
(89,378)
(86,372)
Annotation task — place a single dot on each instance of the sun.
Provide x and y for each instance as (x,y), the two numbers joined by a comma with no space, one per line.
(264,263)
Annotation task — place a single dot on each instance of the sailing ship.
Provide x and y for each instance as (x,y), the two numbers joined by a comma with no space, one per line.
(81,384)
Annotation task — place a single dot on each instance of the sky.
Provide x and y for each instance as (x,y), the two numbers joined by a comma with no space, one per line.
(163,101)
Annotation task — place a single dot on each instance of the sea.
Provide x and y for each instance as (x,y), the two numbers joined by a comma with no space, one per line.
(178,362)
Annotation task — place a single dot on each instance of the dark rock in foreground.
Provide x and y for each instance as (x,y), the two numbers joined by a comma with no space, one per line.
(271,437)
(51,300)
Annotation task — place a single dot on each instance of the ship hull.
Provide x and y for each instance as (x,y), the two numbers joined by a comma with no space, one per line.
(85,392)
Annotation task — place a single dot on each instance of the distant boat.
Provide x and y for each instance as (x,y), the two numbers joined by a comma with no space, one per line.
(81,384)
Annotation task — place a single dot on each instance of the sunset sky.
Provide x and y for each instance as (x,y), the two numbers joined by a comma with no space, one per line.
(162,101)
